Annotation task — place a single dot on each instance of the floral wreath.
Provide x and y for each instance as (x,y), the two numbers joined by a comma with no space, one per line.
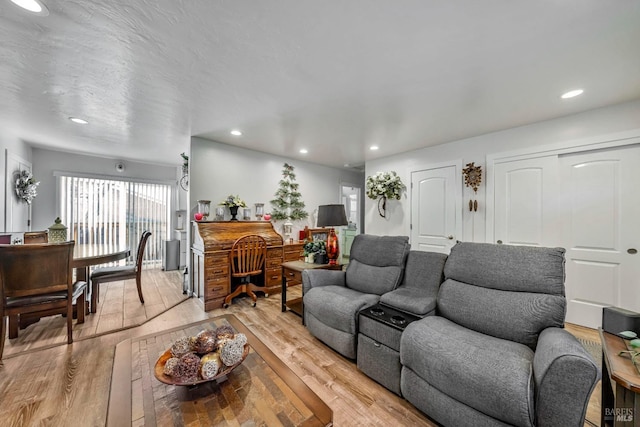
(26,186)
(233,201)
(386,185)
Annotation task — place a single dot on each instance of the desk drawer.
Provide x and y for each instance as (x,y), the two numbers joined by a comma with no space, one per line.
(293,252)
(216,271)
(275,253)
(272,263)
(293,277)
(216,261)
(217,288)
(273,276)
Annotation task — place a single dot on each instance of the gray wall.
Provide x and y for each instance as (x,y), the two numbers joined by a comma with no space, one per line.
(46,162)
(218,170)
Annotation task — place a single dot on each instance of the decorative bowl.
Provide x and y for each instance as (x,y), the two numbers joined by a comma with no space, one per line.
(162,377)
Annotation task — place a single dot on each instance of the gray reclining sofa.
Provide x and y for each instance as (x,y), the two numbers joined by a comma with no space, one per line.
(484,346)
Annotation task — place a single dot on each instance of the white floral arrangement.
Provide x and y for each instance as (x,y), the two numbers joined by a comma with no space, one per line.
(26,186)
(385,184)
(233,201)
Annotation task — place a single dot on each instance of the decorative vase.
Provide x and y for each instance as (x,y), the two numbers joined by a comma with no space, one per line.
(259,211)
(234,212)
(204,207)
(246,214)
(220,214)
(57,232)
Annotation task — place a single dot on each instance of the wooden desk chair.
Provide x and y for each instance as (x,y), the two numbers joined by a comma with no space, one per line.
(112,274)
(31,237)
(39,278)
(247,257)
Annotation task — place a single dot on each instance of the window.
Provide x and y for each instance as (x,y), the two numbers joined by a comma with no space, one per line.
(105,211)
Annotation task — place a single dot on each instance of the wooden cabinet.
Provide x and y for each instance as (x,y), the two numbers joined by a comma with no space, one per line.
(212,242)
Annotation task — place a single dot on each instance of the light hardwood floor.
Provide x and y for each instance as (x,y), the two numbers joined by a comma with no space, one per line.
(69,385)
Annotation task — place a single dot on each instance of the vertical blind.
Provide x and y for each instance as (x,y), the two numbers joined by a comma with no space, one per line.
(110,212)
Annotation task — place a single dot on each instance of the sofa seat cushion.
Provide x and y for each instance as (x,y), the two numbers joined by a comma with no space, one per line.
(338,306)
(410,300)
(478,370)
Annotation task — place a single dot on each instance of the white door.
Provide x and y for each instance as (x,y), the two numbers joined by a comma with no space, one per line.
(436,217)
(601,232)
(525,202)
(17,212)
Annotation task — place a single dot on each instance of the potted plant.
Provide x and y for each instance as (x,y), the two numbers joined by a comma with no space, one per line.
(318,250)
(233,203)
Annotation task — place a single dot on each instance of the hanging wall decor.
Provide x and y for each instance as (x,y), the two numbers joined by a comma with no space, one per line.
(472,178)
(26,186)
(384,185)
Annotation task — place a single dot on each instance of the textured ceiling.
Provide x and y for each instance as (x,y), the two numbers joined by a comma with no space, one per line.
(331,76)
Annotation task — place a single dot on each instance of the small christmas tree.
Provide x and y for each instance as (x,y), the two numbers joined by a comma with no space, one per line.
(287,204)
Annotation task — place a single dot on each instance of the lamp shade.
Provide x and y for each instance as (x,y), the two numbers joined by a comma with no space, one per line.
(331,216)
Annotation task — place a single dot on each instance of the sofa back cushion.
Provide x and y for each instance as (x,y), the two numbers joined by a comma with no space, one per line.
(376,263)
(509,292)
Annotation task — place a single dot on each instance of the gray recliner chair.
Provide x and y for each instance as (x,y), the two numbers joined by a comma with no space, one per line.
(496,353)
(333,299)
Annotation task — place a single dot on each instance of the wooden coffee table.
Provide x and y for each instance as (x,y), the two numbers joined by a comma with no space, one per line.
(261,391)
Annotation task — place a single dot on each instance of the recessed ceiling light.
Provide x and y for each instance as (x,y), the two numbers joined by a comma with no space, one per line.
(572,93)
(33,6)
(78,121)
(236,132)
(303,151)
(373,147)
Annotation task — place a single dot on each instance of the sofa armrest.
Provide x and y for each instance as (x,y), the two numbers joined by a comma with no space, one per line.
(565,376)
(316,278)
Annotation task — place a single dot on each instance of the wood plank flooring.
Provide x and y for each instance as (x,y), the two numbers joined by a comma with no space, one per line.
(62,385)
(119,308)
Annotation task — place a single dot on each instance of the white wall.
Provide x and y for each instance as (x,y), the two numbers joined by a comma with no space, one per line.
(12,144)
(45,162)
(599,125)
(217,170)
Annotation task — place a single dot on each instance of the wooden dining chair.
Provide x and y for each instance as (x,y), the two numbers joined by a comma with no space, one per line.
(38,278)
(247,257)
(112,274)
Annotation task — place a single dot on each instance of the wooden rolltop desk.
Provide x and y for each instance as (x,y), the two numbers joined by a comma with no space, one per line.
(210,264)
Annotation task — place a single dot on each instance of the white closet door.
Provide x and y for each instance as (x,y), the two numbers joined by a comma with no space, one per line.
(601,232)
(525,202)
(436,217)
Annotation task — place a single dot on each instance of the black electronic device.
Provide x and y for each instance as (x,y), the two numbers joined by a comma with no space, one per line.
(616,320)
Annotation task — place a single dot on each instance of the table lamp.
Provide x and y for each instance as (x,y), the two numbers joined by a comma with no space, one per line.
(332,216)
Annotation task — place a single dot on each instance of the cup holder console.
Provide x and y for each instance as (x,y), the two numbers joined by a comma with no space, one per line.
(389,316)
(377,311)
(398,320)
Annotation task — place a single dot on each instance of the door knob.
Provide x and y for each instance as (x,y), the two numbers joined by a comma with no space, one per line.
(632,251)
(450,237)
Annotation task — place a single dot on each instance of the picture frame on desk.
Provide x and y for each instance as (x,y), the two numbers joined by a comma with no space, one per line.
(317,234)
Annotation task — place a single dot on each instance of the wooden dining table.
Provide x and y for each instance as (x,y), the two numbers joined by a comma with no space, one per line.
(89,254)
